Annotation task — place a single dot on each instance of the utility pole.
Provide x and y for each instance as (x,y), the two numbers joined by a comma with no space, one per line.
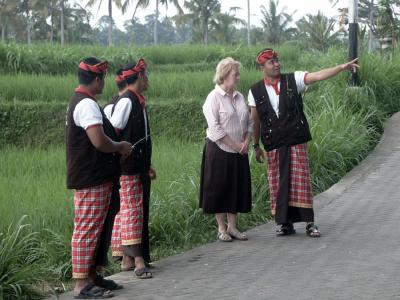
(353,36)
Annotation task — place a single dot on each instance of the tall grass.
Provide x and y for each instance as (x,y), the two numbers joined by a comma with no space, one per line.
(20,262)
(54,59)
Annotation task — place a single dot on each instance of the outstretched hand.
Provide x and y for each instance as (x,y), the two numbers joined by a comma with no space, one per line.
(350,66)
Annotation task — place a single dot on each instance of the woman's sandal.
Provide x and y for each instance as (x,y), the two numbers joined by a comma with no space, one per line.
(285,229)
(224,237)
(143,273)
(236,234)
(312,230)
(92,291)
(107,283)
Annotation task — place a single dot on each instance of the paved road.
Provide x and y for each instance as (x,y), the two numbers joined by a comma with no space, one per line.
(358,256)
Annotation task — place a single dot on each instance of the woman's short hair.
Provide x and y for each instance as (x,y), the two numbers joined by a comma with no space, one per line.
(224,67)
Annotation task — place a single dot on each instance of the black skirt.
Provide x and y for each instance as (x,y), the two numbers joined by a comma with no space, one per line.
(225,183)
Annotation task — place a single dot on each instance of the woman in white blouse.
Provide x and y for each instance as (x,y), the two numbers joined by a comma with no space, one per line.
(225,188)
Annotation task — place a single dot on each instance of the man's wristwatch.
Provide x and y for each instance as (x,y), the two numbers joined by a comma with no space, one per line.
(256,145)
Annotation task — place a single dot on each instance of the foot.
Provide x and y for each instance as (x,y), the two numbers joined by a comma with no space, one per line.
(143,273)
(141,270)
(92,291)
(224,237)
(107,283)
(127,263)
(312,230)
(285,229)
(236,234)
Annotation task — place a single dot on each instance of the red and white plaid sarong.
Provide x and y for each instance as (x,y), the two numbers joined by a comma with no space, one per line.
(128,223)
(300,194)
(91,207)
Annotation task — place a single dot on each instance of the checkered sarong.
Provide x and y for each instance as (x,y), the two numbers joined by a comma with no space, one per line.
(90,207)
(128,223)
(300,194)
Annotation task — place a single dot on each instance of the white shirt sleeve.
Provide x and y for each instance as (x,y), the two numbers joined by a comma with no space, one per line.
(107,110)
(122,110)
(250,99)
(299,77)
(87,113)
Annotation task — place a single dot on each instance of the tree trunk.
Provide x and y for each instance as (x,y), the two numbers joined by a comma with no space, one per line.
(156,23)
(205,30)
(110,20)
(62,22)
(28,32)
(52,25)
(3,33)
(28,25)
(371,20)
(248,23)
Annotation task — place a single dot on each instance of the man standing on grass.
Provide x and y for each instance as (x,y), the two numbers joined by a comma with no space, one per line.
(277,110)
(129,118)
(92,167)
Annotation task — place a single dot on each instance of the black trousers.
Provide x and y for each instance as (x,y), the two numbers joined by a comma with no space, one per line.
(104,243)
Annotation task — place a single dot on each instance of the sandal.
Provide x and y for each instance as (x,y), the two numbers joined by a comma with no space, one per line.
(107,283)
(91,291)
(286,229)
(224,237)
(143,273)
(312,230)
(236,234)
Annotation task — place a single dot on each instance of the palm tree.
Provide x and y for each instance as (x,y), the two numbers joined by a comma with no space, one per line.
(276,23)
(145,3)
(110,18)
(318,30)
(223,25)
(202,12)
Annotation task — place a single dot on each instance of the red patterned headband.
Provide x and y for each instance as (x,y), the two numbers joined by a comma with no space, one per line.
(140,66)
(266,55)
(99,68)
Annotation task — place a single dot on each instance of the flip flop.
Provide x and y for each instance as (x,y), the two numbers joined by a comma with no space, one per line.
(143,273)
(107,283)
(313,231)
(92,291)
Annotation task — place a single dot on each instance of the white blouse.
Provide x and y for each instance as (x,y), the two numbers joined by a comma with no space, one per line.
(226,116)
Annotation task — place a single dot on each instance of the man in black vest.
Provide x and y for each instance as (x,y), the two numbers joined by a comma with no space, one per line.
(92,167)
(121,84)
(277,110)
(129,118)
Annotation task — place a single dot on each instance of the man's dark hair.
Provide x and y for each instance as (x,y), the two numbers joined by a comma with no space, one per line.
(121,84)
(87,77)
(131,79)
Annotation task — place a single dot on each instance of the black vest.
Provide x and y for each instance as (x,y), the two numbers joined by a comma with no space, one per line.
(134,132)
(87,166)
(113,100)
(291,127)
